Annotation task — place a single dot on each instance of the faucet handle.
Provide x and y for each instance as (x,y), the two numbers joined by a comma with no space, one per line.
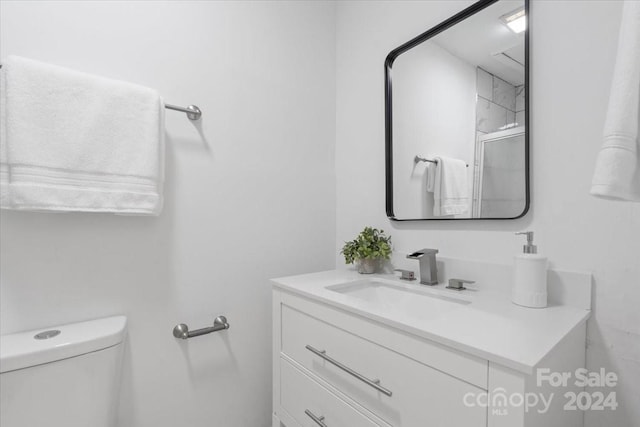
(458,284)
(406,274)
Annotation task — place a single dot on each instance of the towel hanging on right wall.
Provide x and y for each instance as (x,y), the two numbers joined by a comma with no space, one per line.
(617,172)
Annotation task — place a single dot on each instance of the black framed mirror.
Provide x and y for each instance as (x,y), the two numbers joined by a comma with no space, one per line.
(456,117)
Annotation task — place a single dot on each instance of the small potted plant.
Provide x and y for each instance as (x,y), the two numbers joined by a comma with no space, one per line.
(367,250)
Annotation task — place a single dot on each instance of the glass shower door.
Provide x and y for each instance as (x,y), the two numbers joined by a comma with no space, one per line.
(499,187)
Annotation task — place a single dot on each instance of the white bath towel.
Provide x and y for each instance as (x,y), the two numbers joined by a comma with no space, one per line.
(77,142)
(430,172)
(617,172)
(451,192)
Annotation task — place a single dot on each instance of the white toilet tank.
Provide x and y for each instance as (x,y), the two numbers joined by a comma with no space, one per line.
(68,378)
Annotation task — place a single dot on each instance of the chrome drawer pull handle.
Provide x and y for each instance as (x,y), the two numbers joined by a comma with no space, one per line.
(318,420)
(373,383)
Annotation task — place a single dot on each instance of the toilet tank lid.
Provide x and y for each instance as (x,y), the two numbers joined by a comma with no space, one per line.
(23,350)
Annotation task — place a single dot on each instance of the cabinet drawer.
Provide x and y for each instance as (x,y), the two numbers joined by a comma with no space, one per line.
(395,388)
(304,398)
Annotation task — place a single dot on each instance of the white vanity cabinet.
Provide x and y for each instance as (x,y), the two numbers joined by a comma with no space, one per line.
(333,367)
(378,376)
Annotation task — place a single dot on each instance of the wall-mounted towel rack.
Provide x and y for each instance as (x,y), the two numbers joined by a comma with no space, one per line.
(182,331)
(193,112)
(419,159)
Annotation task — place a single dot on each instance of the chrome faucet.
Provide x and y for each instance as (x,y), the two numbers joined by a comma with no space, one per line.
(428,267)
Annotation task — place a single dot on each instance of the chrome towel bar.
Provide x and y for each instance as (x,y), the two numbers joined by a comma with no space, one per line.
(193,112)
(182,331)
(418,159)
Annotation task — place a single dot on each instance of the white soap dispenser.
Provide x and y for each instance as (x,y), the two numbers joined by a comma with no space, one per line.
(530,276)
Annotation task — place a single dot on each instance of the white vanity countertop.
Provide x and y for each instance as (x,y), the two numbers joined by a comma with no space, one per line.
(490,327)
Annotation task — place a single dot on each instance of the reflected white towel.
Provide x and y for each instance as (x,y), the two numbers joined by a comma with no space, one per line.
(431,177)
(451,192)
(617,172)
(76,142)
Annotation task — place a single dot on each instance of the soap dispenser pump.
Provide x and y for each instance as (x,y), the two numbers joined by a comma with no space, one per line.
(529,276)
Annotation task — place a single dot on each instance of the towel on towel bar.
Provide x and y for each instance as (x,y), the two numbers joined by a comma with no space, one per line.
(451,189)
(77,142)
(431,177)
(617,172)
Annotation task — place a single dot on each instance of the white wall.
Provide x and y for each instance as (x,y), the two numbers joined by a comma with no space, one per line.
(434,108)
(572,50)
(251,192)
(250,195)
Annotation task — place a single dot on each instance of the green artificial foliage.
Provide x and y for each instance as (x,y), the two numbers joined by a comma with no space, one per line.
(371,243)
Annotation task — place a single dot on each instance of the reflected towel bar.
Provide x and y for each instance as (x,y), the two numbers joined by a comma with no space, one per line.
(419,159)
(193,112)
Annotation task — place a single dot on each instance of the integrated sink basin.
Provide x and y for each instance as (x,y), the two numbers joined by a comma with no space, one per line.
(412,300)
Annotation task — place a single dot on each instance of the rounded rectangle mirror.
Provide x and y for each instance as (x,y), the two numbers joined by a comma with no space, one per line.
(456,118)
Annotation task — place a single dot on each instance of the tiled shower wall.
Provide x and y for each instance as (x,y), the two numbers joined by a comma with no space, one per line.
(500,104)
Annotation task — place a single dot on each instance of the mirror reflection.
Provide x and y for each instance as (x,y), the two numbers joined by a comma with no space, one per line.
(457,114)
